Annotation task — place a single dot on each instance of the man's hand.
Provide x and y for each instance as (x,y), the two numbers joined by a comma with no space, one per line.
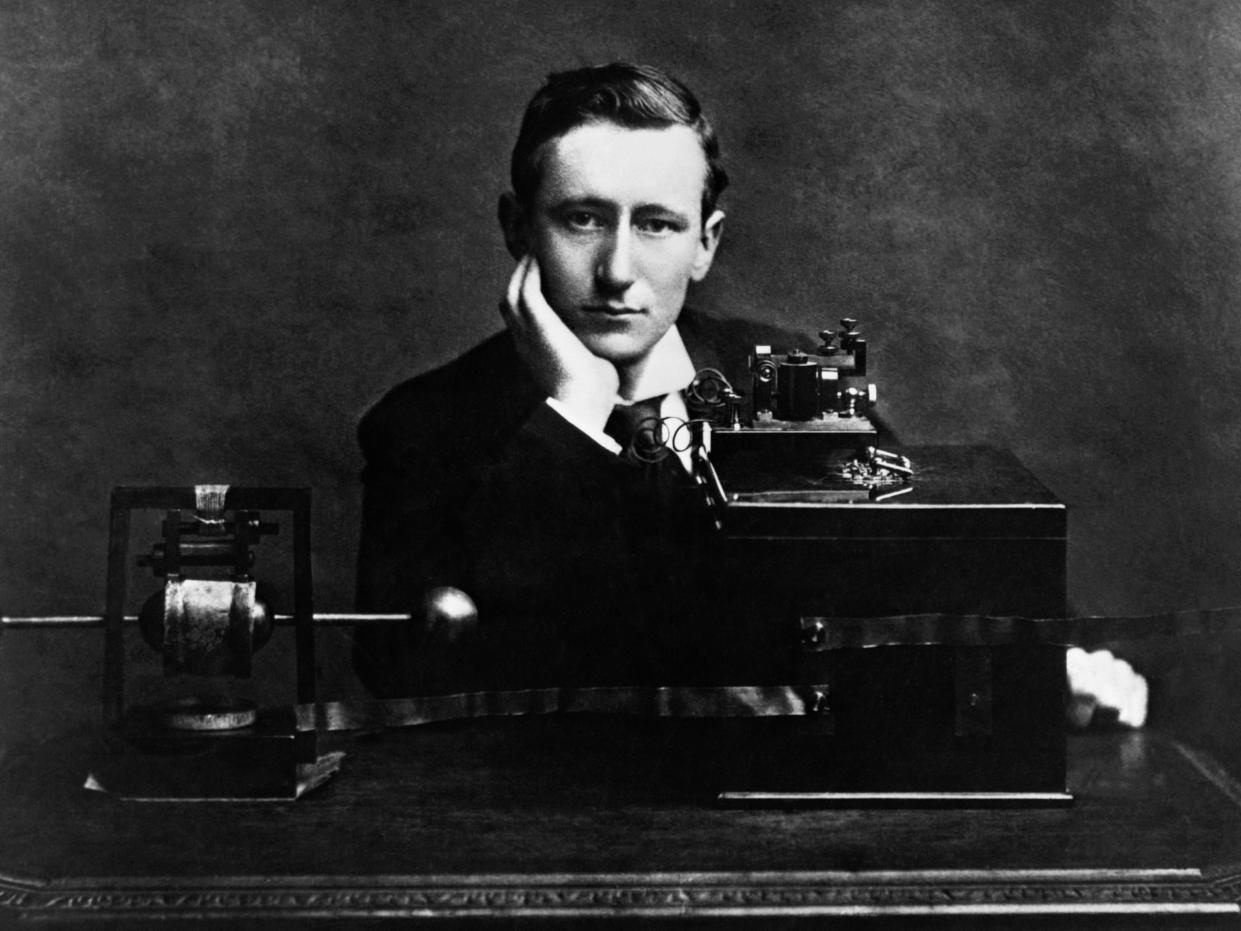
(1100,681)
(561,365)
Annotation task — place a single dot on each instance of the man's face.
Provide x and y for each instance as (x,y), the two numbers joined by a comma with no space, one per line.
(617,230)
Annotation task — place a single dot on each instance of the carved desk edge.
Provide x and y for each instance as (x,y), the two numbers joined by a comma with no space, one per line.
(1213,890)
(578,895)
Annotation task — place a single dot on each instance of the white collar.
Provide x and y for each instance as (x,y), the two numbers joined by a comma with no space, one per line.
(666,370)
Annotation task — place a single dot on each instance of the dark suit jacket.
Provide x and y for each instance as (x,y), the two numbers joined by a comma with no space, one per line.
(580,574)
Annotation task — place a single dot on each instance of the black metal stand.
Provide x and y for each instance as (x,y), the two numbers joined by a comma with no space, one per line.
(272,759)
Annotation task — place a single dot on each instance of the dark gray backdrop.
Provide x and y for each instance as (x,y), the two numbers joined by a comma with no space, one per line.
(226,227)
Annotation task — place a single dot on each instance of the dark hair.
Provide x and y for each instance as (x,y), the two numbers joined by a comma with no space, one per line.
(634,96)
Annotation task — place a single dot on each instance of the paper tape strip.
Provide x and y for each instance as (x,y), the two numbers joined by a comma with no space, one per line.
(840,633)
(663,701)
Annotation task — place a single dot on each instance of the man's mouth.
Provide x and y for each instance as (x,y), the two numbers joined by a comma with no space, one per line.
(612,310)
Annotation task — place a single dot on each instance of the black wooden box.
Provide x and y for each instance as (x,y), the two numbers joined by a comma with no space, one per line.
(974,533)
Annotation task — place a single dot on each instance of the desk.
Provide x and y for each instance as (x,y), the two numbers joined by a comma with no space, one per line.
(574,818)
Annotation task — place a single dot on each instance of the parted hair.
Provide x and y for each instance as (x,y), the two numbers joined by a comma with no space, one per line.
(630,95)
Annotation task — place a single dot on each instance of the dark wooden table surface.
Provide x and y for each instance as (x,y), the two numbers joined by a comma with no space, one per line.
(575,819)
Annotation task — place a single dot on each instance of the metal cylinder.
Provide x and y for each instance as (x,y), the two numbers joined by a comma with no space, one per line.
(798,388)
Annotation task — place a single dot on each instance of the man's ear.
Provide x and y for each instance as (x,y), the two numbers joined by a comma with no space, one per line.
(708,241)
(513,222)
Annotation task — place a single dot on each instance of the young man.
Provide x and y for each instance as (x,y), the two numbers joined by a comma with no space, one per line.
(509,473)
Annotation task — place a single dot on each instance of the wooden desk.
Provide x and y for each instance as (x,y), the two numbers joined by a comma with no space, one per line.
(571,819)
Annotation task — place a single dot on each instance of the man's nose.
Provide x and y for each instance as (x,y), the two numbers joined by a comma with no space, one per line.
(615,269)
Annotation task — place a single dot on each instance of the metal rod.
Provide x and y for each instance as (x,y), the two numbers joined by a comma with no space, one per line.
(96,620)
(59,621)
(348,618)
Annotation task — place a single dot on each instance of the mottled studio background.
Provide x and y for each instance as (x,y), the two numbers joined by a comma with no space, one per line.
(227,226)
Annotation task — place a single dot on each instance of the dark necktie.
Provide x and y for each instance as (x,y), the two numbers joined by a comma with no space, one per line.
(660,519)
(658,480)
(639,431)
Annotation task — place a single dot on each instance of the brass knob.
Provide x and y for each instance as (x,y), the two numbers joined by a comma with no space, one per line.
(448,614)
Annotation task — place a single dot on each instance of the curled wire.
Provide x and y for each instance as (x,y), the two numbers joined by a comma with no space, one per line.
(683,436)
(656,437)
(649,442)
(709,389)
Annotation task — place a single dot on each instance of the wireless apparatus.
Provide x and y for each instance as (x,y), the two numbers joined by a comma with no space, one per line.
(207,621)
(883,630)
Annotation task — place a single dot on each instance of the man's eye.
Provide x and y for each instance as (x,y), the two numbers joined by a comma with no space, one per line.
(658,226)
(584,220)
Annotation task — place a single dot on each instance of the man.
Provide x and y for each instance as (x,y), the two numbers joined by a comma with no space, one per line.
(509,474)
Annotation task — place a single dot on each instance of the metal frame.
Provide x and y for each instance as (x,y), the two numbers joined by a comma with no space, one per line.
(126,499)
